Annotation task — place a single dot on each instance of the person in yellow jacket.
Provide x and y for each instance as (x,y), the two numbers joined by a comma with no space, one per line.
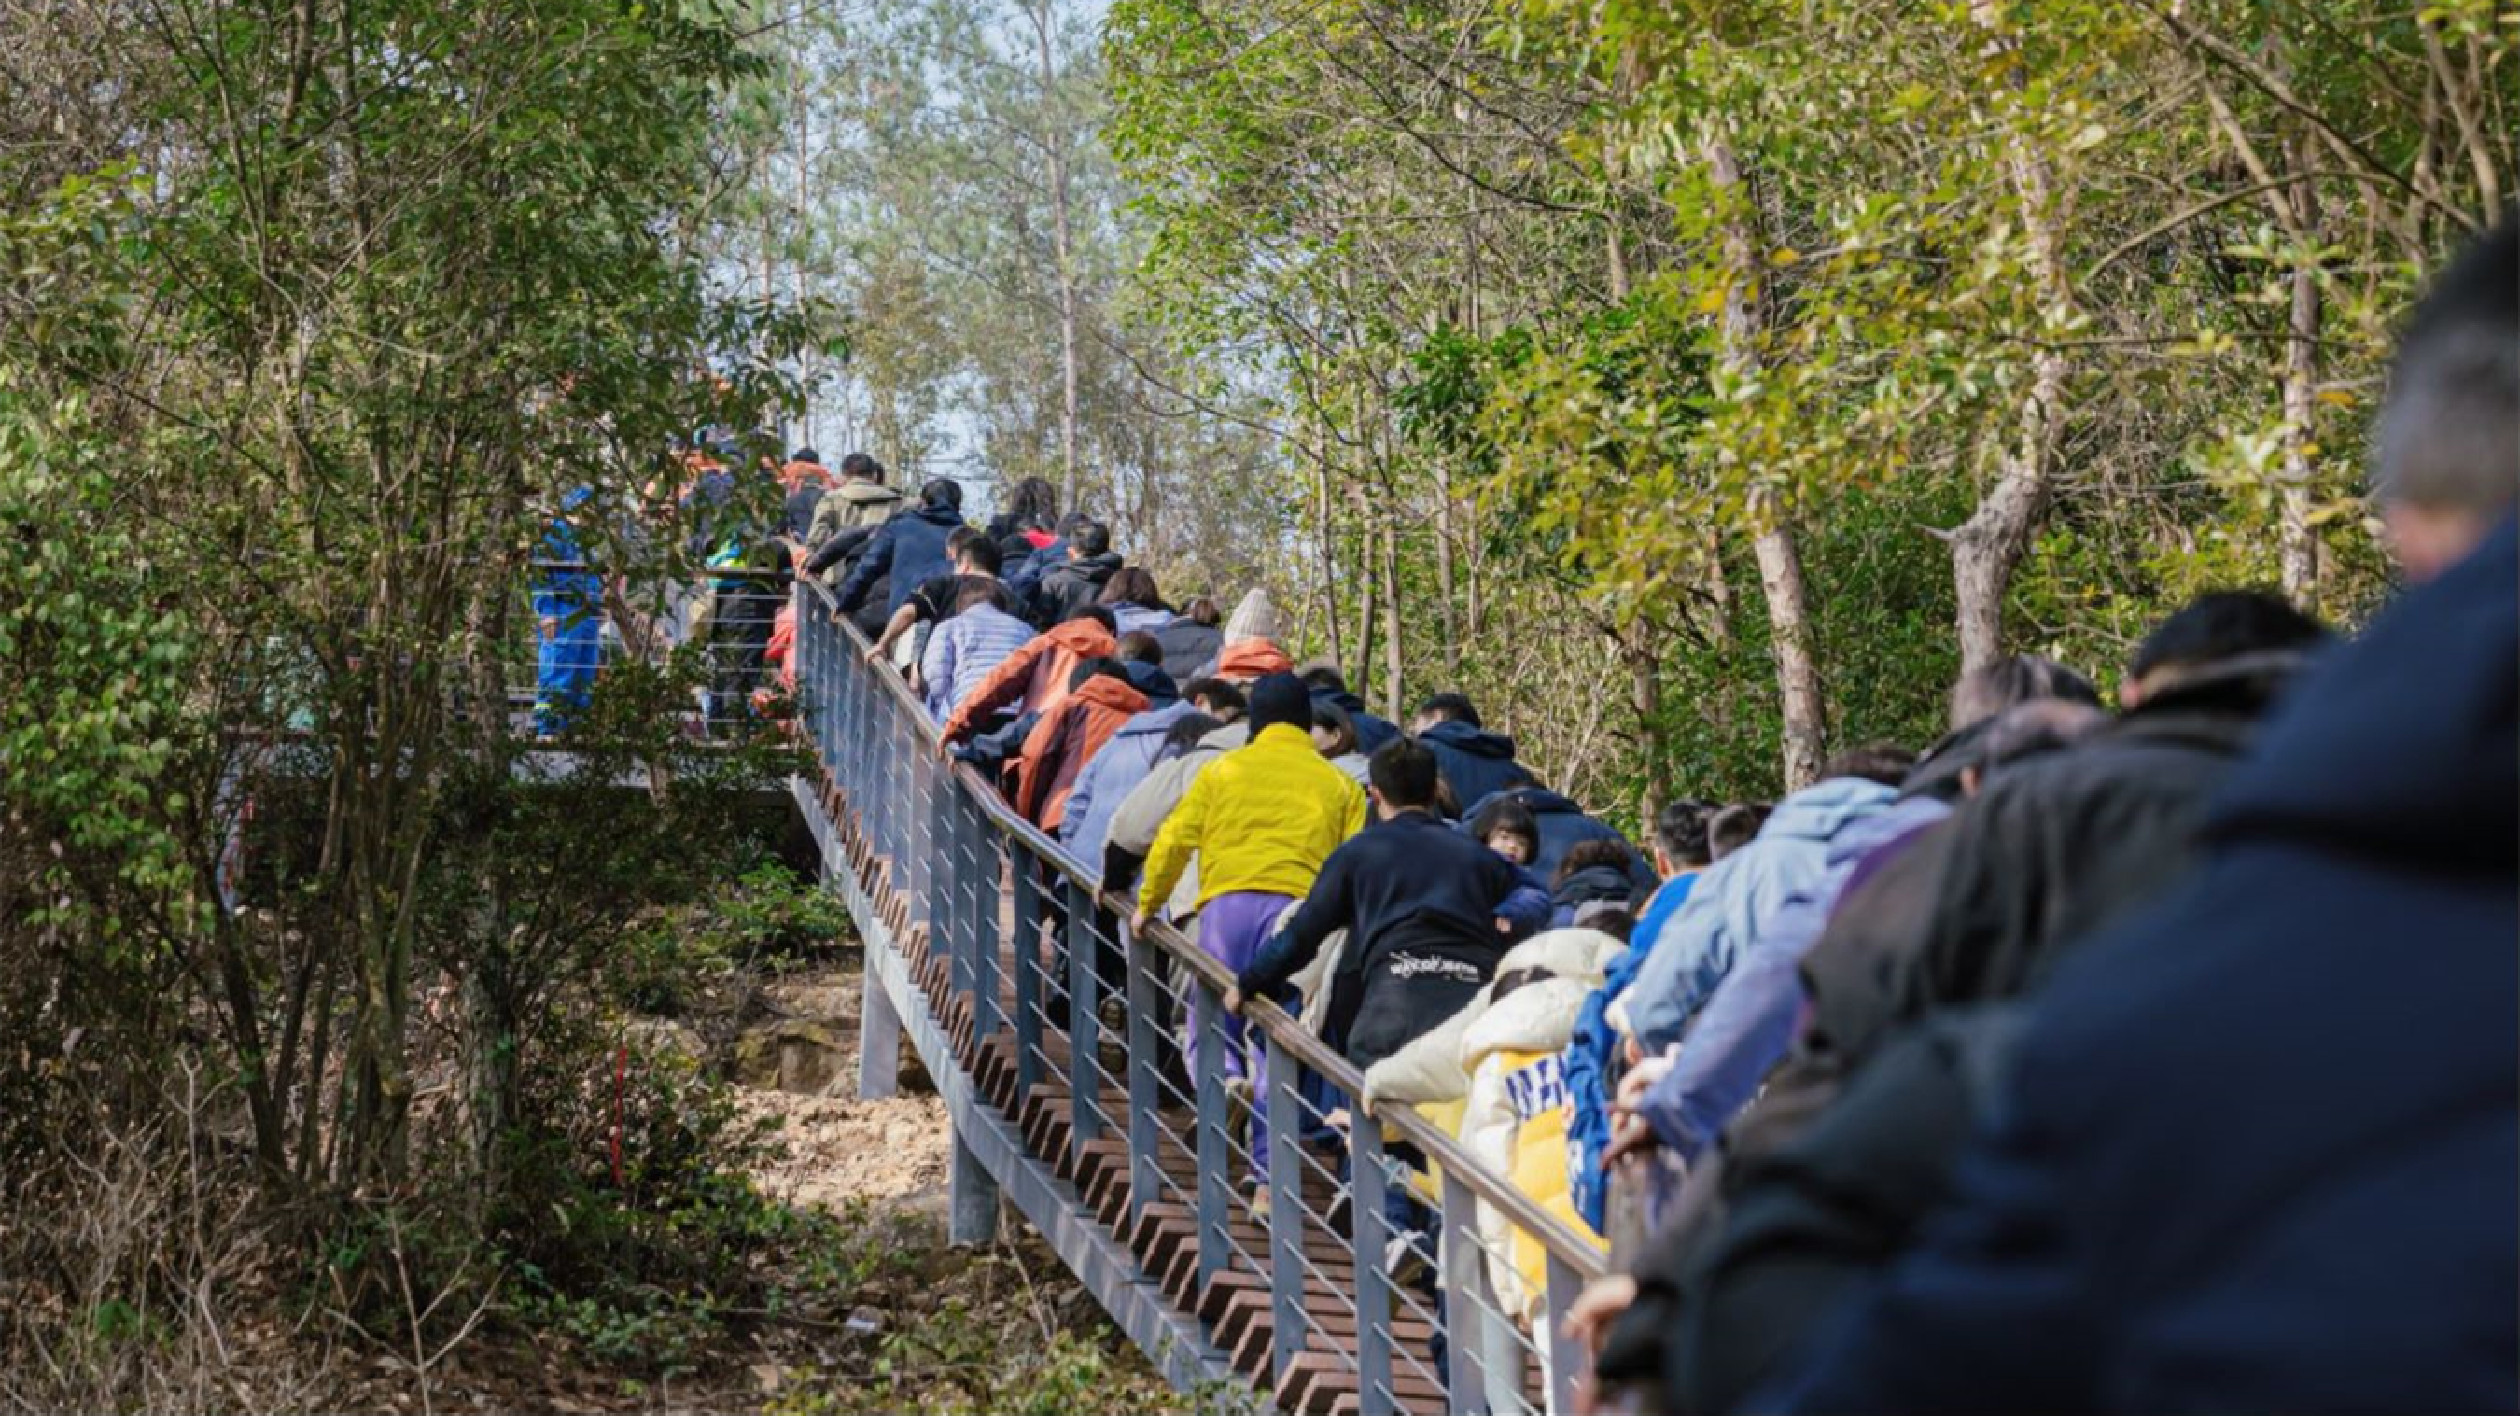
(1261,819)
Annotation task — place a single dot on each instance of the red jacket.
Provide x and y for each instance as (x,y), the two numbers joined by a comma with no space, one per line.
(1033,679)
(1055,754)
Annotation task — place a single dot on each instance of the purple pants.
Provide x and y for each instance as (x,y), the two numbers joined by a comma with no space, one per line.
(1232,927)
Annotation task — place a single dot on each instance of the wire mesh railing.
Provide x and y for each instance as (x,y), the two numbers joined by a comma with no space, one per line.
(1337,1259)
(722,625)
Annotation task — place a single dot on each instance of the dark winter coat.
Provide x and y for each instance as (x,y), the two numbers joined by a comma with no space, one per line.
(1016,542)
(1806,1217)
(1188,647)
(1477,762)
(1072,585)
(2059,846)
(1371,732)
(1976,911)
(1419,903)
(1023,575)
(797,514)
(1594,884)
(1563,825)
(2258,1147)
(909,548)
(1151,680)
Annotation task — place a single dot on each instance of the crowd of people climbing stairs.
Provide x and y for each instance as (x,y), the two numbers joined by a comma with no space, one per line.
(2146,1049)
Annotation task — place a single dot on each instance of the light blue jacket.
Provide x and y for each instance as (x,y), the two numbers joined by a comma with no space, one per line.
(1747,1026)
(1107,781)
(1738,899)
(966,649)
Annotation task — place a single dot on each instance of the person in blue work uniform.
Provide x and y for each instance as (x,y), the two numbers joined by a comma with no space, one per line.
(568,621)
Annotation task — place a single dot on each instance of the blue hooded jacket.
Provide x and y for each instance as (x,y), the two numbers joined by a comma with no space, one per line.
(2260,1145)
(1587,1061)
(1747,1026)
(1477,762)
(911,546)
(1740,898)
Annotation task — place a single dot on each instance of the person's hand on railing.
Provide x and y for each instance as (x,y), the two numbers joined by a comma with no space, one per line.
(1233,1001)
(877,652)
(1589,1317)
(1142,920)
(1630,1132)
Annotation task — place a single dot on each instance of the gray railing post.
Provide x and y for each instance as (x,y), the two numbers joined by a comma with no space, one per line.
(1374,1303)
(1027,957)
(1215,1156)
(924,803)
(980,871)
(1464,1388)
(1084,1022)
(1569,1360)
(1145,1083)
(1286,1211)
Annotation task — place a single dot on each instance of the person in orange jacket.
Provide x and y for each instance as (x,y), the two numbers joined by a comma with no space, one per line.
(1100,700)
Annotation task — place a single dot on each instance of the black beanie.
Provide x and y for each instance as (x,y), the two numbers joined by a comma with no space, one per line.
(1280,698)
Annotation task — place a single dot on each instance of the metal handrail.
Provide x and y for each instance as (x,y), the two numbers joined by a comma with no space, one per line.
(1439,1146)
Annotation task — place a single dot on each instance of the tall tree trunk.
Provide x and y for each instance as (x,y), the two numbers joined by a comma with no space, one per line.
(1644,664)
(1043,17)
(1772,538)
(2298,543)
(1988,547)
(1366,592)
(1393,687)
(1329,552)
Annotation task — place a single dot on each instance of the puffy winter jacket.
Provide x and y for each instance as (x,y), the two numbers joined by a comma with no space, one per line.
(1477,762)
(1371,732)
(910,548)
(1128,619)
(1501,1060)
(1074,584)
(964,651)
(1243,659)
(1064,742)
(1747,1025)
(1737,899)
(1189,647)
(1033,679)
(1124,762)
(1516,1123)
(1263,817)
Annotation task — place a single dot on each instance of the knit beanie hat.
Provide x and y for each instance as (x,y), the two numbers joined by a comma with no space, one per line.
(1280,698)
